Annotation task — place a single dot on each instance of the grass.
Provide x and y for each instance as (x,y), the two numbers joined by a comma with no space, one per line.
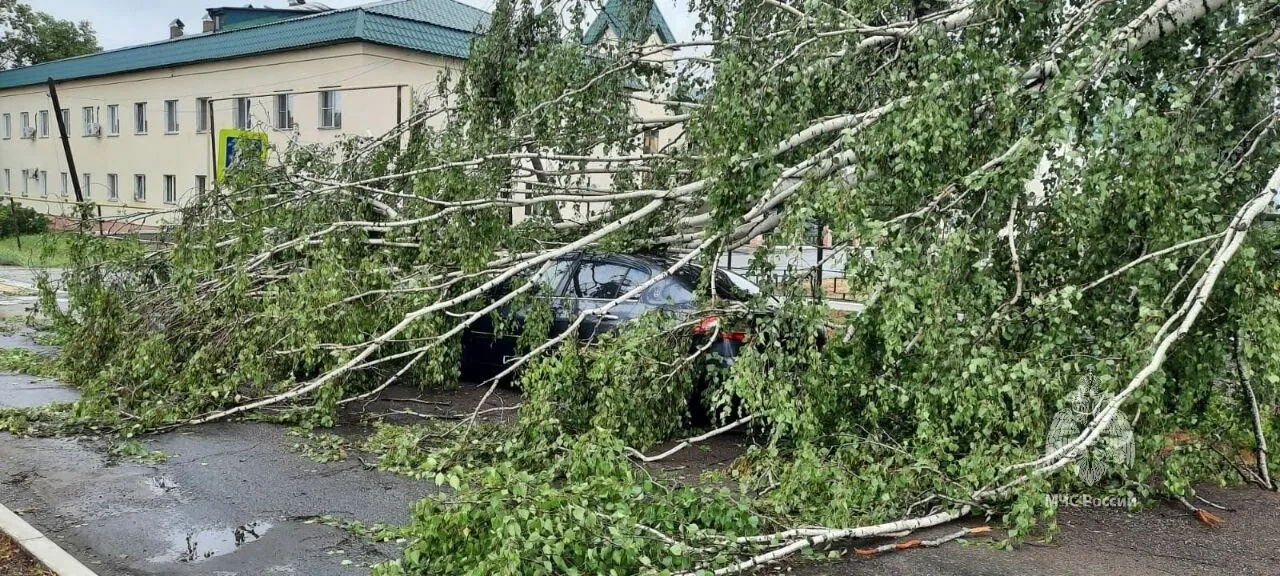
(49,250)
(14,561)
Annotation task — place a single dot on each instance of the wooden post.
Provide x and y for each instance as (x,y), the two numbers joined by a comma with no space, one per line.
(66,143)
(100,222)
(13,215)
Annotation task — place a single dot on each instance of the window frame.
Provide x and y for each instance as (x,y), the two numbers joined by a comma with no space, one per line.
(64,185)
(86,184)
(283,111)
(202,115)
(243,113)
(170,189)
(113,187)
(140,122)
(26,122)
(139,187)
(89,116)
(113,120)
(171,125)
(42,123)
(7,125)
(331,110)
(26,181)
(44,183)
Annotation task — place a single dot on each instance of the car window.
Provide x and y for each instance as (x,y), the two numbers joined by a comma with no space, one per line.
(551,278)
(669,292)
(729,285)
(606,281)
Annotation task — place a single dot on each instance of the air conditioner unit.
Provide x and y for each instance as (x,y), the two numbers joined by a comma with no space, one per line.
(94,129)
(29,133)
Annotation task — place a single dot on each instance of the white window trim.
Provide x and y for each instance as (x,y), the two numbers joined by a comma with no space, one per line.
(113,187)
(42,123)
(113,120)
(245,121)
(7,125)
(139,187)
(334,109)
(44,183)
(86,185)
(170,185)
(170,130)
(65,184)
(145,123)
(277,118)
(90,116)
(202,115)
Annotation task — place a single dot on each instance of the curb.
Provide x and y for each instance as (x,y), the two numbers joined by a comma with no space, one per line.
(42,549)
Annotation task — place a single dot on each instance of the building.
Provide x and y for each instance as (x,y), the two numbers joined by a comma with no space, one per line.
(143,120)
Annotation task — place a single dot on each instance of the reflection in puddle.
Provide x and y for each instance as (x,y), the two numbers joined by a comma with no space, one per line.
(197,545)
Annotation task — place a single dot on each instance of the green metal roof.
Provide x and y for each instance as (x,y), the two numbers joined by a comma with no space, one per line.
(442,27)
(615,15)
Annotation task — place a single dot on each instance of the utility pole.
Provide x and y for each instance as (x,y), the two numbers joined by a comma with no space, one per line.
(66,143)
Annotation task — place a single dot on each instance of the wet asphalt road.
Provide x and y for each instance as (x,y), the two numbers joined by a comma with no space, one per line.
(229,484)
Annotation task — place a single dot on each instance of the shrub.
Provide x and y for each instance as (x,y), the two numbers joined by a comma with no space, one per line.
(15,220)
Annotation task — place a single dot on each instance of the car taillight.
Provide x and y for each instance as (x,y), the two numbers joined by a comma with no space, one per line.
(707,326)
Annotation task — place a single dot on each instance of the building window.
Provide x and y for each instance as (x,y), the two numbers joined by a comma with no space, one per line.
(140,118)
(66,119)
(202,114)
(62,188)
(43,122)
(170,116)
(7,126)
(284,111)
(331,109)
(243,118)
(8,185)
(113,187)
(91,121)
(170,189)
(201,185)
(26,181)
(113,119)
(44,184)
(140,187)
(651,141)
(85,181)
(26,125)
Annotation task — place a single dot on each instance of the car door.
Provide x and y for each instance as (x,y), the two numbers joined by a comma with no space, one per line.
(599,281)
(491,344)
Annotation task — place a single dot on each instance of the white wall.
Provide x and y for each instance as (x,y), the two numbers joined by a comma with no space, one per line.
(187,153)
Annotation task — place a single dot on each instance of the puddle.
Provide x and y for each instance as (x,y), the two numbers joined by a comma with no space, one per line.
(190,547)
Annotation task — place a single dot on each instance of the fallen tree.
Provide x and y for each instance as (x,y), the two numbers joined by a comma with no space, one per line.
(1028,193)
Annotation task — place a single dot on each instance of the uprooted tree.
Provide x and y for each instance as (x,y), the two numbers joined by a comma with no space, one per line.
(1037,194)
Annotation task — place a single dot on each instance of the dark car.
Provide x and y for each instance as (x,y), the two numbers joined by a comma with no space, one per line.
(584,281)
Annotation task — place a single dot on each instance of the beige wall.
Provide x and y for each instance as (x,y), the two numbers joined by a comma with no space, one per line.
(186,154)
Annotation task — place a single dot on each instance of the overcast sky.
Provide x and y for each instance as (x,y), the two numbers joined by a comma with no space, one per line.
(122,23)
